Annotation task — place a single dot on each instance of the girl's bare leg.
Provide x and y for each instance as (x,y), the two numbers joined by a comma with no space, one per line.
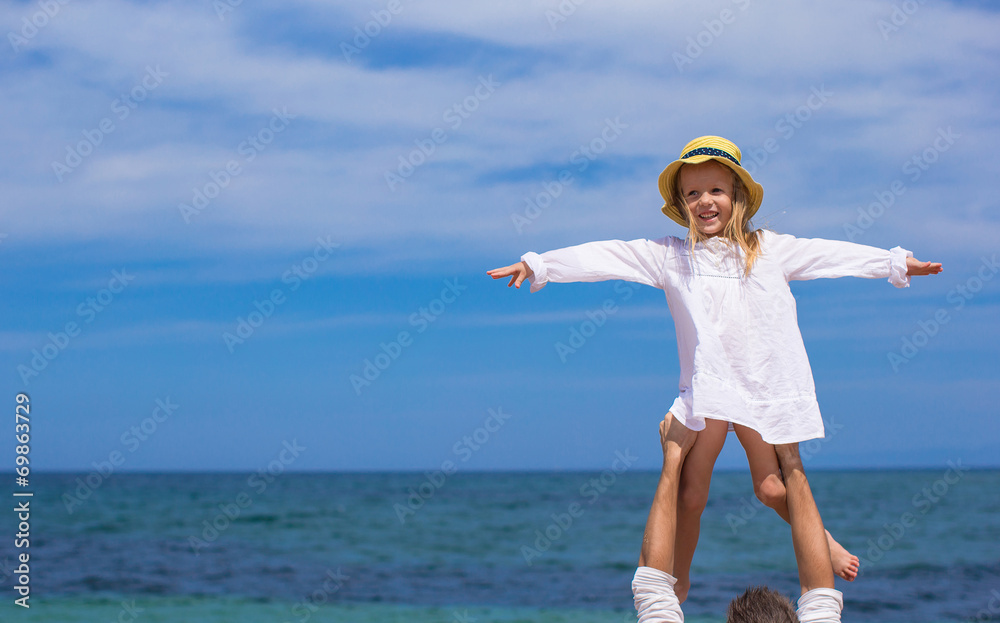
(770,490)
(692,496)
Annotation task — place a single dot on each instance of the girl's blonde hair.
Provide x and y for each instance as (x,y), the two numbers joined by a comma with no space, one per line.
(737,230)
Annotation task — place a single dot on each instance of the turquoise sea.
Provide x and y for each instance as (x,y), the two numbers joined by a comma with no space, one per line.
(527,547)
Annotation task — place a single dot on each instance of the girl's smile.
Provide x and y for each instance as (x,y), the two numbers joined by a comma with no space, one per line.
(707,189)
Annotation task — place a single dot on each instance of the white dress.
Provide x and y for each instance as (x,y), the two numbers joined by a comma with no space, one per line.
(741,354)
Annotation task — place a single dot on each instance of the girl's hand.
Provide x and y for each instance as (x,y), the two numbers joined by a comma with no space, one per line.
(916,267)
(517,273)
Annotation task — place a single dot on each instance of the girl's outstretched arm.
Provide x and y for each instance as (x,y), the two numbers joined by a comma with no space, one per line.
(816,258)
(639,261)
(517,273)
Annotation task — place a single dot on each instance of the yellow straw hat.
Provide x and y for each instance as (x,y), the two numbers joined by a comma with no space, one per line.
(701,150)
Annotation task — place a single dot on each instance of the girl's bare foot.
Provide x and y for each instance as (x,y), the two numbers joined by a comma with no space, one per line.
(845,564)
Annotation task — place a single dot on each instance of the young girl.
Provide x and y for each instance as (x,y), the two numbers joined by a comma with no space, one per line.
(742,360)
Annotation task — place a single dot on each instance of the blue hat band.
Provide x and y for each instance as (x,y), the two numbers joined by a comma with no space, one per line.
(711,151)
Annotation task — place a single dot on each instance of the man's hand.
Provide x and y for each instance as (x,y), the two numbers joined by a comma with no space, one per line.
(916,267)
(788,456)
(517,273)
(675,437)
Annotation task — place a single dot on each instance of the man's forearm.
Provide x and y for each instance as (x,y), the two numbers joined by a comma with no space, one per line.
(661,526)
(812,551)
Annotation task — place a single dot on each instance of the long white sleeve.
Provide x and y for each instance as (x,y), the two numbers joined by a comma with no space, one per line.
(653,593)
(639,260)
(816,258)
(820,605)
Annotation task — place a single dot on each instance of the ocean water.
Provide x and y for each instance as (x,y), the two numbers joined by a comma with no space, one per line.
(480,547)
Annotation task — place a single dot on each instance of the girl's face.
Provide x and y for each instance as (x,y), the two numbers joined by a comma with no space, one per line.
(707,189)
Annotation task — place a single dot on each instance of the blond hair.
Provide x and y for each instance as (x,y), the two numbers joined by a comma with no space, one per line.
(737,230)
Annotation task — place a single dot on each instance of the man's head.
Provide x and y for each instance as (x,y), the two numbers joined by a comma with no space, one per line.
(760,604)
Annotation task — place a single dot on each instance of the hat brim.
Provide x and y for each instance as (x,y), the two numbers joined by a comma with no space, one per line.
(672,204)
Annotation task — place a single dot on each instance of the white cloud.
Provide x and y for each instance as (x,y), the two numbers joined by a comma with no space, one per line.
(354,120)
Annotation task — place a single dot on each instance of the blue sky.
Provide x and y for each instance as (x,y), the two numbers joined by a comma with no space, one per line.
(174,168)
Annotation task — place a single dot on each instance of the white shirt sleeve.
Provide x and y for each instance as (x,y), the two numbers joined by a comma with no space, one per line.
(655,600)
(816,258)
(820,605)
(640,261)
